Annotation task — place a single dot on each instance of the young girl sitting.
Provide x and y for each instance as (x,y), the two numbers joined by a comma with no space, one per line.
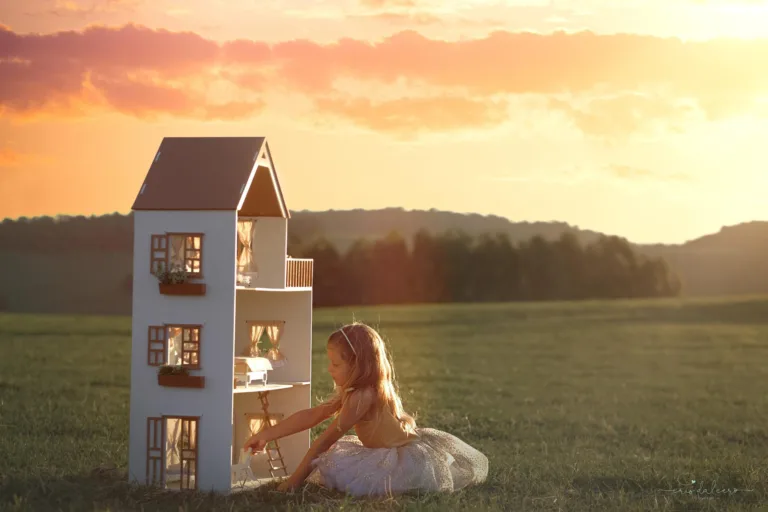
(389,454)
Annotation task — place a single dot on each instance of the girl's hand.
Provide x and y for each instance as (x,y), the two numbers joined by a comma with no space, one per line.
(288,486)
(255,443)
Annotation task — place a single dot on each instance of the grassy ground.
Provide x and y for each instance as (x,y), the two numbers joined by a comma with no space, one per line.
(579,406)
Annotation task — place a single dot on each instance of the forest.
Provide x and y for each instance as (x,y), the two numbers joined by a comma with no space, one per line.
(59,256)
(454,267)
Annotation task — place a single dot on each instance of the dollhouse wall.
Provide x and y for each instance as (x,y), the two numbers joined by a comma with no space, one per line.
(215,312)
(295,308)
(269,244)
(283,402)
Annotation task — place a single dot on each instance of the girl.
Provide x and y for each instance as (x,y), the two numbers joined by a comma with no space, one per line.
(389,454)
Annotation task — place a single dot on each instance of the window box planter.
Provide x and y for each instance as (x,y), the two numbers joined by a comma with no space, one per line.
(182,288)
(181,381)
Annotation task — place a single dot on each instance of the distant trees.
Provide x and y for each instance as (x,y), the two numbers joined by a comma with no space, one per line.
(447,267)
(48,234)
(452,267)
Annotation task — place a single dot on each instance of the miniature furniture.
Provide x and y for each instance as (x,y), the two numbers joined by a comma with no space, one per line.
(241,472)
(249,369)
(256,423)
(233,320)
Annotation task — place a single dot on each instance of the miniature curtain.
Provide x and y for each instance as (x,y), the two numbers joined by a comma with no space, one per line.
(174,345)
(173,442)
(176,252)
(256,331)
(246,230)
(275,332)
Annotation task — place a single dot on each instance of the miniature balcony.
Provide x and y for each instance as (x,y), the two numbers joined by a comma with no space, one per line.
(298,276)
(298,273)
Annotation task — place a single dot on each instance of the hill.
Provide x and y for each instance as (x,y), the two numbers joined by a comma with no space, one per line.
(88,259)
(343,227)
(733,261)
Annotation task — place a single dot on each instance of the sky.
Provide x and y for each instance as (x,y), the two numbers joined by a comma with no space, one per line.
(640,118)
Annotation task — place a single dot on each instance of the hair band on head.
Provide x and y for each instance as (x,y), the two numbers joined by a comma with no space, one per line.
(348,342)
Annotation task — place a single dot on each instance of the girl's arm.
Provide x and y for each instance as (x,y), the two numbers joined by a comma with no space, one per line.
(296,422)
(353,410)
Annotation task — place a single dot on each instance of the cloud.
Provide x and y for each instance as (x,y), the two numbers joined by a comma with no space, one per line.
(12,158)
(142,98)
(628,172)
(388,3)
(606,84)
(131,69)
(83,9)
(234,110)
(408,116)
(574,174)
(400,18)
(626,114)
(423,19)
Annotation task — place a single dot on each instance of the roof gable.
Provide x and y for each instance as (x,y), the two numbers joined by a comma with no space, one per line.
(263,196)
(200,173)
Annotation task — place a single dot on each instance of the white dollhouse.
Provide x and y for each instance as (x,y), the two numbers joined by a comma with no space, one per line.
(222,318)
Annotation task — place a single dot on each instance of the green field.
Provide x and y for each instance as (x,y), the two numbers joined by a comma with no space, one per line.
(579,406)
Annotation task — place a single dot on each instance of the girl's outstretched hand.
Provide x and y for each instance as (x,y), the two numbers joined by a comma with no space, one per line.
(288,486)
(255,443)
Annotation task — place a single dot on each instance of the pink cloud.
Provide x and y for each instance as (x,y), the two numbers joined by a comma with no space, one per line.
(412,115)
(12,158)
(624,114)
(388,3)
(138,70)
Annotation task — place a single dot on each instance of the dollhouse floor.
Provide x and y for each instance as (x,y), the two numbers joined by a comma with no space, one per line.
(286,289)
(260,388)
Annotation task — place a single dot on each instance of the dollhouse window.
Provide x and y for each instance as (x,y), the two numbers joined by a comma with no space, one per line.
(177,250)
(269,348)
(172,443)
(174,345)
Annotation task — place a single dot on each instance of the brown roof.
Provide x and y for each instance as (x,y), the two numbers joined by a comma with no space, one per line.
(203,173)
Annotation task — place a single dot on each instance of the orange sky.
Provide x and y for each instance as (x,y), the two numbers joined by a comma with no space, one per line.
(647,121)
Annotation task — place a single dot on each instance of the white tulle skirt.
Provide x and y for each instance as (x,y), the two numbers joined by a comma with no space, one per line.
(436,462)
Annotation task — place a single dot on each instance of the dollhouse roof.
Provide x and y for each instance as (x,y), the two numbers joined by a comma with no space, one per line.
(213,173)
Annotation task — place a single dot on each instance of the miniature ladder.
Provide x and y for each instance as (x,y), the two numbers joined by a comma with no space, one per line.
(270,451)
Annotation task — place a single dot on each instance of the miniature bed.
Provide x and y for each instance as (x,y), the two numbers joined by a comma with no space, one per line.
(250,369)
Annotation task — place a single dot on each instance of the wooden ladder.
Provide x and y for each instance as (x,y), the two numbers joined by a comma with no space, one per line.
(273,469)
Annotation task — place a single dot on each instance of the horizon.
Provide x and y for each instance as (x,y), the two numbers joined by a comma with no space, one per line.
(65,217)
(641,121)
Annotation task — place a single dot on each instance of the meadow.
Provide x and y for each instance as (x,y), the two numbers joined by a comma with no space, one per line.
(606,405)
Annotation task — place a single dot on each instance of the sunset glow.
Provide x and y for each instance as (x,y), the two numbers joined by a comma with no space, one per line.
(645,121)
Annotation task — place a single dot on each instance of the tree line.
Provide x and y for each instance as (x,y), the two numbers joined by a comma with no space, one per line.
(432,268)
(454,267)
(113,232)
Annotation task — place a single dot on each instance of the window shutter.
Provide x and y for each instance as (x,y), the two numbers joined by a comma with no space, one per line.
(158,253)
(190,346)
(156,345)
(155,455)
(193,254)
(188,455)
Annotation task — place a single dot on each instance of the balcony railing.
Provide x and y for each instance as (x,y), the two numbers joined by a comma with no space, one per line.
(298,273)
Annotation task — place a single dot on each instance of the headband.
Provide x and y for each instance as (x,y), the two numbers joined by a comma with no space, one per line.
(349,342)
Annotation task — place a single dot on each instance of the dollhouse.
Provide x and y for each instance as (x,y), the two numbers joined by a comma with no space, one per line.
(222,318)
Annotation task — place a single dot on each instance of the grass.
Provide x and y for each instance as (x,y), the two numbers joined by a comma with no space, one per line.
(579,406)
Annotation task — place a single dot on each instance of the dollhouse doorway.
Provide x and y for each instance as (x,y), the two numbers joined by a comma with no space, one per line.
(172,451)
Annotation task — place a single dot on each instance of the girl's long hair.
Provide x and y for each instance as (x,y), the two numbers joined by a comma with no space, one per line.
(370,366)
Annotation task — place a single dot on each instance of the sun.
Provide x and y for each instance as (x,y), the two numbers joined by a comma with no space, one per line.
(747,19)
